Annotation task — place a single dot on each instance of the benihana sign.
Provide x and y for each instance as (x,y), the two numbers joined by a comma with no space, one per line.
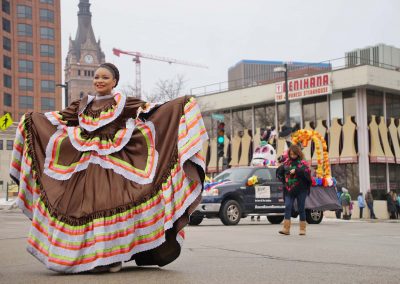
(305,87)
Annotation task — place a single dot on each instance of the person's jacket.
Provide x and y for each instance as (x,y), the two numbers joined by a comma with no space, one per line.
(368,198)
(360,201)
(301,180)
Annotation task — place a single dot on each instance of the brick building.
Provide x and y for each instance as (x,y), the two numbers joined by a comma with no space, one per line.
(30,57)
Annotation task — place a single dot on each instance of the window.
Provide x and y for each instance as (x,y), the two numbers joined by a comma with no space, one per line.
(349,103)
(6,25)
(10,144)
(46,33)
(24,12)
(79,72)
(1,144)
(24,30)
(265,116)
(374,103)
(336,105)
(47,86)
(47,50)
(7,99)
(25,66)
(392,105)
(315,109)
(7,62)
(7,81)
(46,1)
(46,15)
(263,174)
(394,177)
(48,103)
(5,6)
(347,176)
(47,68)
(377,173)
(25,102)
(6,43)
(241,120)
(26,84)
(25,48)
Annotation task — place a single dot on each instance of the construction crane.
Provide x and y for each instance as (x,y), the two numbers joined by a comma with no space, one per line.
(138,55)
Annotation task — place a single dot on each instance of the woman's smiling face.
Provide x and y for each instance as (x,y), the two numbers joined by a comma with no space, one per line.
(103,81)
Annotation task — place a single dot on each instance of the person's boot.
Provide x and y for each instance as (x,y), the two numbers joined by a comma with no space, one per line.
(286,227)
(302,231)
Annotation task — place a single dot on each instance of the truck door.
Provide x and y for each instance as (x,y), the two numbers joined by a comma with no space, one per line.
(262,190)
(276,188)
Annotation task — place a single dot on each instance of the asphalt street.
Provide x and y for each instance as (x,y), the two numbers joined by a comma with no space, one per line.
(334,251)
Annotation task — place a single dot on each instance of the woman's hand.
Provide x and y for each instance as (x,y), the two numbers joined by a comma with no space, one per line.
(292,171)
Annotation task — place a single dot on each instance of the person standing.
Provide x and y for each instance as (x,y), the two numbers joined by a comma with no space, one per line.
(339,193)
(295,174)
(361,204)
(346,199)
(109,179)
(370,203)
(391,207)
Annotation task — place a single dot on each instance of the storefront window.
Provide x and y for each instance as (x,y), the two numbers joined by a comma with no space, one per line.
(374,103)
(377,174)
(392,105)
(336,106)
(241,120)
(349,103)
(265,116)
(394,177)
(347,176)
(228,122)
(315,109)
(281,114)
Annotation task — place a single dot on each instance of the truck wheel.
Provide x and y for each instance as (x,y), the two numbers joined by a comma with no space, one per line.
(275,219)
(230,212)
(195,220)
(314,216)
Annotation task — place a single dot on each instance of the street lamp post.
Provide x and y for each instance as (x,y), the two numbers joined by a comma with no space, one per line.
(287,105)
(65,86)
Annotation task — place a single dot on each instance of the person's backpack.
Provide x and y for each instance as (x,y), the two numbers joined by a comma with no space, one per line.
(345,197)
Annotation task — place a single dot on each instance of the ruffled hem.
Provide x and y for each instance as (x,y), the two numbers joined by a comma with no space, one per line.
(102,238)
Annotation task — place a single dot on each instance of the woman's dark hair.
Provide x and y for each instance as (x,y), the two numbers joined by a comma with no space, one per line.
(297,150)
(113,69)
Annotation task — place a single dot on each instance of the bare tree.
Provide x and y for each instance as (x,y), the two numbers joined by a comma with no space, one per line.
(129,91)
(167,89)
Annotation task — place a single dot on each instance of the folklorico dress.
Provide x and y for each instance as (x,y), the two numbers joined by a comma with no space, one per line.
(110,183)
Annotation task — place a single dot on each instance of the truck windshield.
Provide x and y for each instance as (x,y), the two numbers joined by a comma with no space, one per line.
(235,175)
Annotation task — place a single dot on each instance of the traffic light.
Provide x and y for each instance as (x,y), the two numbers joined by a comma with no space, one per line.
(220,139)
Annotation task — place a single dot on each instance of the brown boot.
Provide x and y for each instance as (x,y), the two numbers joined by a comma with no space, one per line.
(286,228)
(302,228)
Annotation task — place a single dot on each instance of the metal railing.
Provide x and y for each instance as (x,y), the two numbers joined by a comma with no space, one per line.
(294,72)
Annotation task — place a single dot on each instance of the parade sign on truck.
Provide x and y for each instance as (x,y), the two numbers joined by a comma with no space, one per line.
(311,86)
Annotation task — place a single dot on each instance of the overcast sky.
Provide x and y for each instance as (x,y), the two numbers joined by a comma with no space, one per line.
(219,33)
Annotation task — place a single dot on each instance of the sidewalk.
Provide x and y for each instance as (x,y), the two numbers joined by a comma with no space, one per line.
(4,205)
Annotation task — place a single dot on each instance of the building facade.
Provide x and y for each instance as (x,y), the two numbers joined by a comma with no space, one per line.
(30,57)
(356,109)
(84,56)
(379,55)
(248,73)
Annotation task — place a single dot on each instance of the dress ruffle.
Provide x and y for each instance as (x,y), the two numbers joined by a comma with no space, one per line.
(148,225)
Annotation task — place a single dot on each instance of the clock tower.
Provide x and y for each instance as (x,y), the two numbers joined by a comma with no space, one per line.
(84,56)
